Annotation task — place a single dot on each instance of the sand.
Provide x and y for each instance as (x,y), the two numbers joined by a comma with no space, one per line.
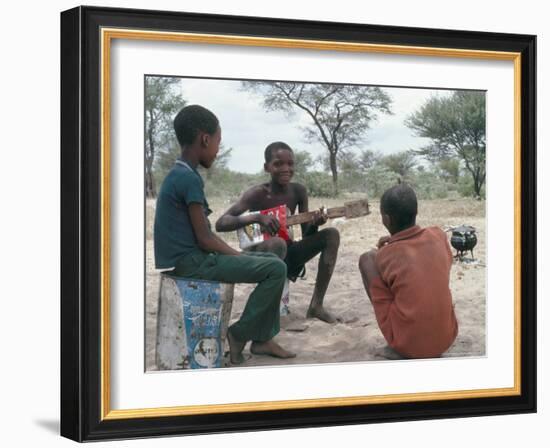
(357,337)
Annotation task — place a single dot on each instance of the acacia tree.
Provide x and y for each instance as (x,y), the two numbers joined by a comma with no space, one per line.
(449,170)
(456,126)
(401,163)
(340,114)
(346,161)
(162,101)
(368,158)
(303,162)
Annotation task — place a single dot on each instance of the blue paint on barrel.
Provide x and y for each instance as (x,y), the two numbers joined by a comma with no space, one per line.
(202,311)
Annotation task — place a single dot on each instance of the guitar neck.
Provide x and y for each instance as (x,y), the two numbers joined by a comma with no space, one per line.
(308,217)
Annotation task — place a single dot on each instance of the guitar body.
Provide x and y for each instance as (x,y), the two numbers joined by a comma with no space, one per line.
(280,212)
(252,233)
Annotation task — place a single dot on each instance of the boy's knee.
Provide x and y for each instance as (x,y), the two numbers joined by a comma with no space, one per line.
(367,261)
(277,246)
(279,268)
(332,236)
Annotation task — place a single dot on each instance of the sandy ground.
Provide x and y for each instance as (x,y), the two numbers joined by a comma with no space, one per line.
(357,337)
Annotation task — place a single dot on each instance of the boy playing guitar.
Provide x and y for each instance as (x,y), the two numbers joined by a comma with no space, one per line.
(279,163)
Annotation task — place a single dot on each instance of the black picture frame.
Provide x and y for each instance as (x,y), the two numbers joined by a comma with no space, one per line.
(83,407)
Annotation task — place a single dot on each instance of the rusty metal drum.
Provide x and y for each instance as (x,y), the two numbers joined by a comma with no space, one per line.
(193,316)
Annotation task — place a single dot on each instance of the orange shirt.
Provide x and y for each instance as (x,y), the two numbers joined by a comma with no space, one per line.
(411,298)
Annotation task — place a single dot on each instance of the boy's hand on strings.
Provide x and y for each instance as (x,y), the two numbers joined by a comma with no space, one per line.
(320,216)
(269,224)
(383,241)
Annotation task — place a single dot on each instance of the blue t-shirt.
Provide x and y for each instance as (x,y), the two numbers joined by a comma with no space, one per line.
(173,232)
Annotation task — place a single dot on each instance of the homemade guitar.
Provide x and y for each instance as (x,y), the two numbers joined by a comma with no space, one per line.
(253,234)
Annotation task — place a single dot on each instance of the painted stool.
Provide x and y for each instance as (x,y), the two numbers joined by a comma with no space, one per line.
(193,316)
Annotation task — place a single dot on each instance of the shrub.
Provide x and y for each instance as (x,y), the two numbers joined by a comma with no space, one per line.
(317,183)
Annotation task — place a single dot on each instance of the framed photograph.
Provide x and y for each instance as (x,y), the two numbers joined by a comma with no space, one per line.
(399,267)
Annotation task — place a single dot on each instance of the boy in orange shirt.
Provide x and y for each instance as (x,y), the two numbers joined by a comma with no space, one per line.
(407,280)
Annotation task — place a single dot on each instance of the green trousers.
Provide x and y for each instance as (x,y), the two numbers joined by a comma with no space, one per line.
(260,318)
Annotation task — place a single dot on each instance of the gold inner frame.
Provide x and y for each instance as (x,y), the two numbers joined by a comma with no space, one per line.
(107,35)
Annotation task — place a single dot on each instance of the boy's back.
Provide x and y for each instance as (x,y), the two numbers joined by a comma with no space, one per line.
(411,298)
(173,233)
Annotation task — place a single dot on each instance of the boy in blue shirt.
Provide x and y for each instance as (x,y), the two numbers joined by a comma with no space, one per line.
(185,242)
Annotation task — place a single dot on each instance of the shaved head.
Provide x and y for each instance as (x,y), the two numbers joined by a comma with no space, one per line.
(400,204)
(275,146)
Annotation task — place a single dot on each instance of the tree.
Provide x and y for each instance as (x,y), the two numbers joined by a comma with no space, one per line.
(303,163)
(368,158)
(401,162)
(162,102)
(456,126)
(428,184)
(222,159)
(165,161)
(346,161)
(449,170)
(340,114)
(378,179)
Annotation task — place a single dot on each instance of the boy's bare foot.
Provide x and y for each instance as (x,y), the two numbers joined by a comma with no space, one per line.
(320,313)
(270,348)
(235,349)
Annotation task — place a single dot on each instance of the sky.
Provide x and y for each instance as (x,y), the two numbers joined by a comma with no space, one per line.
(248,128)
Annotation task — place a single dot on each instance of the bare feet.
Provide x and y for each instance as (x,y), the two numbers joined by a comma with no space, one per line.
(270,348)
(320,313)
(235,349)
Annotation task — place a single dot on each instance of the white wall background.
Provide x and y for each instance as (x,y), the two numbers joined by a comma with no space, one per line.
(29,228)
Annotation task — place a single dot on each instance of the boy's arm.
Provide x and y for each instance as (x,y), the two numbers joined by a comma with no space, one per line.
(206,240)
(232,219)
(381,295)
(303,206)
